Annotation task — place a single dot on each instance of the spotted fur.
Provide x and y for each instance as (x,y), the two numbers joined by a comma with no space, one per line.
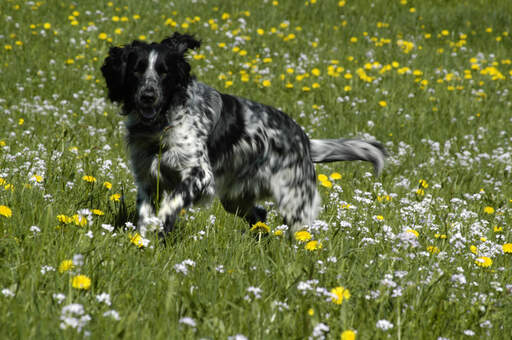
(189,142)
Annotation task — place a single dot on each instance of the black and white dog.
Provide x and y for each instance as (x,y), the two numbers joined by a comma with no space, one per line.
(189,142)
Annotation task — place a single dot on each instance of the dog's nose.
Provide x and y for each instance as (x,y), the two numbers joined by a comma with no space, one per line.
(148,96)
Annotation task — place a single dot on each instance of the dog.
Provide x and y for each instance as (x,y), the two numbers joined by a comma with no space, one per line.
(189,142)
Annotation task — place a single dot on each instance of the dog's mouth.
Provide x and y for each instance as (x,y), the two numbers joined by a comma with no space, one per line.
(149,113)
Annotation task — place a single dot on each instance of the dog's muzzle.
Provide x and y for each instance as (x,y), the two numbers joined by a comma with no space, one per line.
(149,99)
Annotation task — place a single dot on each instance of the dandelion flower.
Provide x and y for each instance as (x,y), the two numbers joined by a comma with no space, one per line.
(483,261)
(326,184)
(383,103)
(115,197)
(507,248)
(348,335)
(107,185)
(414,232)
(339,294)
(81,282)
(260,227)
(102,36)
(97,212)
(433,249)
(89,179)
(335,176)
(313,245)
(489,210)
(5,211)
(66,265)
(303,236)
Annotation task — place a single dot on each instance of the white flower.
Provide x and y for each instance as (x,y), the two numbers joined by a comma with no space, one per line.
(238,337)
(108,227)
(469,332)
(319,331)
(188,321)
(7,292)
(384,325)
(104,297)
(59,297)
(46,269)
(113,314)
(35,229)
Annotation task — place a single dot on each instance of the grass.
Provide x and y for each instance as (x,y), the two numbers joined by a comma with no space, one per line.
(424,250)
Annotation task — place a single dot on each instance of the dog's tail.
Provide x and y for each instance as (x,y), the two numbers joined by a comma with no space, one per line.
(333,150)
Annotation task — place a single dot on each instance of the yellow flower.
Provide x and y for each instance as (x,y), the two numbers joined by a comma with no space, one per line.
(260,31)
(311,312)
(266,83)
(107,185)
(137,240)
(81,282)
(66,265)
(47,26)
(335,176)
(21,121)
(260,227)
(473,249)
(326,184)
(507,248)
(89,179)
(483,261)
(80,220)
(303,236)
(383,103)
(5,211)
(348,335)
(489,210)
(322,178)
(278,233)
(414,232)
(313,245)
(102,36)
(115,197)
(38,178)
(433,249)
(339,294)
(97,212)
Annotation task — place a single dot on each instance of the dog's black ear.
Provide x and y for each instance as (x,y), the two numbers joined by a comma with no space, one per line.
(182,42)
(114,70)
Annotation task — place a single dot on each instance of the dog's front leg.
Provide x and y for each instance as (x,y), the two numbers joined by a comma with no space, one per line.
(145,209)
(195,183)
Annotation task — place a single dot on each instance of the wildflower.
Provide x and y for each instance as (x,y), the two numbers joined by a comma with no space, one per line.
(107,185)
(260,227)
(115,197)
(384,325)
(266,83)
(322,178)
(102,36)
(64,219)
(188,321)
(423,183)
(433,249)
(278,233)
(81,282)
(348,335)
(473,249)
(303,236)
(97,212)
(326,184)
(383,103)
(339,293)
(7,292)
(66,265)
(313,245)
(311,312)
(489,210)
(80,220)
(507,248)
(335,176)
(5,211)
(412,231)
(112,313)
(138,240)
(483,261)
(21,121)
(89,179)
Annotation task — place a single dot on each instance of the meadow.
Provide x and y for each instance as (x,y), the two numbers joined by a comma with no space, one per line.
(423,251)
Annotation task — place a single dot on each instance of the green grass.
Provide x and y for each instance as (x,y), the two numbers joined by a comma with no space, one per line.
(442,108)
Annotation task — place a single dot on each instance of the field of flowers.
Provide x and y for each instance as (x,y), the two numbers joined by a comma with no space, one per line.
(422,252)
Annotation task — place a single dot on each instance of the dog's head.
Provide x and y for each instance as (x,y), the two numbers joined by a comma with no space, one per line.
(144,77)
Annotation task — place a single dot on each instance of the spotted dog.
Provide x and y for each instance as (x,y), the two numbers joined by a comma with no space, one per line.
(189,142)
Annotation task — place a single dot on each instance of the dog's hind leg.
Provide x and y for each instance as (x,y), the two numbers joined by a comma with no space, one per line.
(245,208)
(294,190)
